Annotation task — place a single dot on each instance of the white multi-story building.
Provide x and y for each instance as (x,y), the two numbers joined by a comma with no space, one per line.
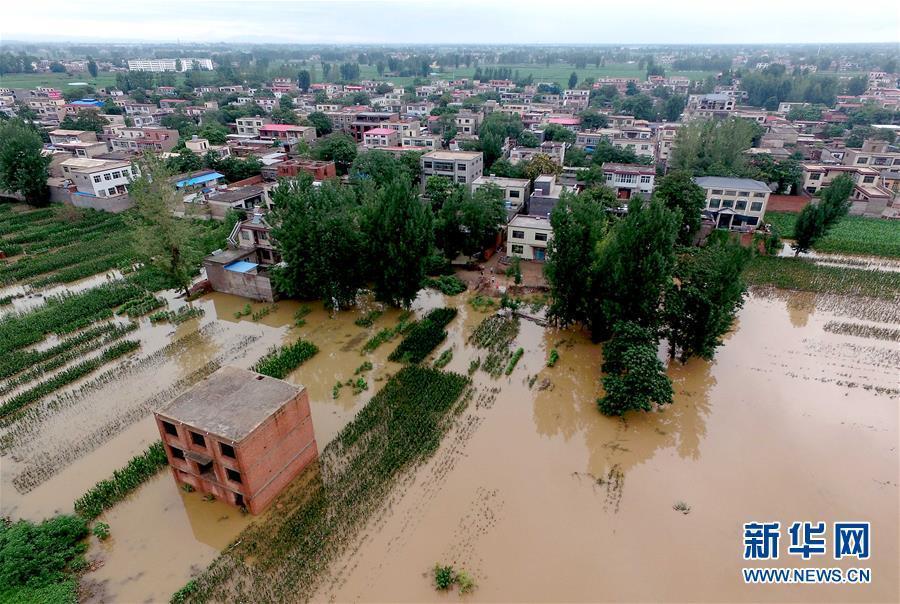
(462,167)
(250,125)
(629,179)
(735,202)
(99,177)
(527,237)
(181,64)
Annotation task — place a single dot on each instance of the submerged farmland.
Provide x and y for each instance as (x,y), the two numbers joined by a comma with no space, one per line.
(497,462)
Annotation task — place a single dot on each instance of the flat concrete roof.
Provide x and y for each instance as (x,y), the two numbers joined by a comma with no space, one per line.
(452,155)
(231,403)
(531,222)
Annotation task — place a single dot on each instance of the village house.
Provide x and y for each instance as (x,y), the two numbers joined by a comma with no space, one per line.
(138,140)
(628,180)
(527,237)
(250,125)
(319,170)
(709,106)
(288,132)
(201,146)
(427,142)
(381,137)
(515,190)
(99,177)
(735,203)
(238,436)
(556,151)
(873,154)
(461,167)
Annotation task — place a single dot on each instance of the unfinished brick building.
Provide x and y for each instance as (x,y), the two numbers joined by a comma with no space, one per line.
(239,436)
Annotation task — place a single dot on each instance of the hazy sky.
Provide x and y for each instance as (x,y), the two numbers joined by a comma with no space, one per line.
(454,21)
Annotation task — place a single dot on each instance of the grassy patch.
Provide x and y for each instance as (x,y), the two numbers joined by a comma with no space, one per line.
(450,285)
(804,275)
(283,556)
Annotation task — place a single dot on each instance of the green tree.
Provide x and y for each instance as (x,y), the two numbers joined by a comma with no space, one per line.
(400,237)
(591,120)
(161,239)
(540,163)
(809,227)
(641,384)
(304,80)
(815,220)
(714,147)
(318,232)
(185,125)
(438,189)
(214,132)
(92,67)
(380,167)
(336,147)
(321,122)
(85,119)
(555,132)
(573,80)
(578,227)
(23,168)
(185,161)
(634,266)
(702,302)
(528,139)
(678,191)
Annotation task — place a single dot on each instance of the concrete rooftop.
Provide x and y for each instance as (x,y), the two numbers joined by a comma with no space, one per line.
(231,403)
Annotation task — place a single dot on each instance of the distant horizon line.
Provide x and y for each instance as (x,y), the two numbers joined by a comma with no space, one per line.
(449,44)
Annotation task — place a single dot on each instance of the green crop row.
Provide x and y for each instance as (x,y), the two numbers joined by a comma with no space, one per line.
(107,493)
(19,360)
(60,359)
(424,336)
(66,377)
(290,552)
(59,314)
(279,362)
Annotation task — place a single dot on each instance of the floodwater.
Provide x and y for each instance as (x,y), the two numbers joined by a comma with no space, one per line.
(541,498)
(535,493)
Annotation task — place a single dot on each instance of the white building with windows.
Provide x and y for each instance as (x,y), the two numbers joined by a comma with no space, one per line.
(99,177)
(527,237)
(628,180)
(183,64)
(462,167)
(735,203)
(515,190)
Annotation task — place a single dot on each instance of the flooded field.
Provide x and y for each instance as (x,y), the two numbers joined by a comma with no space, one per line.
(541,498)
(533,492)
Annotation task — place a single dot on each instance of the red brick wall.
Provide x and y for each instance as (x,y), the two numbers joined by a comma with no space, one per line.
(268,459)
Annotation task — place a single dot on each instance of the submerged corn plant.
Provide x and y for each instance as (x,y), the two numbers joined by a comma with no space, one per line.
(283,556)
(107,493)
(279,362)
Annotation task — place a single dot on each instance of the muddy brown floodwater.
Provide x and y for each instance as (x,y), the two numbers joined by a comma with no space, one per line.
(534,493)
(546,500)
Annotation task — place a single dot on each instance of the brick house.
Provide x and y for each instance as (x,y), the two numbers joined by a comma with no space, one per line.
(239,436)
